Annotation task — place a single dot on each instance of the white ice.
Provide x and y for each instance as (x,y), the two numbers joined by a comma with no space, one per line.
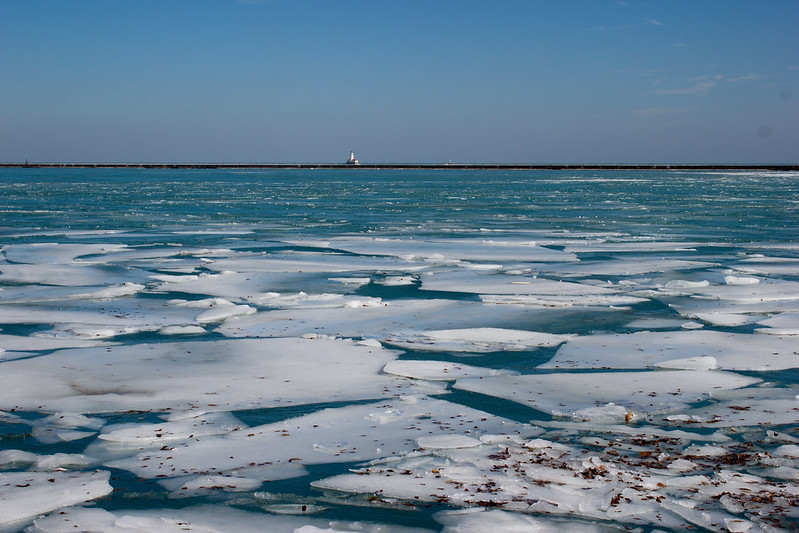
(475,340)
(576,395)
(333,435)
(516,289)
(160,434)
(754,406)
(58,253)
(443,250)
(212,375)
(25,495)
(629,266)
(200,519)
(439,370)
(626,481)
(645,349)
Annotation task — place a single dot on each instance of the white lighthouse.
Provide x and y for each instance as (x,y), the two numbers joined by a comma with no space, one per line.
(352,160)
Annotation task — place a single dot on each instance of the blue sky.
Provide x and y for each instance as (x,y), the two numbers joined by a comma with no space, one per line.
(400,81)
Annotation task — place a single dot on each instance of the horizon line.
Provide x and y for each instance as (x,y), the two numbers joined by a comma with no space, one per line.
(422,166)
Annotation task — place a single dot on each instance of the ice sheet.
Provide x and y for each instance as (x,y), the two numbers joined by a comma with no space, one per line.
(628,266)
(479,520)
(116,291)
(475,340)
(381,321)
(57,253)
(200,519)
(71,275)
(439,370)
(444,249)
(782,324)
(32,343)
(611,396)
(160,434)
(632,481)
(334,435)
(25,495)
(645,349)
(293,263)
(766,291)
(758,406)
(212,375)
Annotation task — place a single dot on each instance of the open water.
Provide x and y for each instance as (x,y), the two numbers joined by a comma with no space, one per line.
(398,350)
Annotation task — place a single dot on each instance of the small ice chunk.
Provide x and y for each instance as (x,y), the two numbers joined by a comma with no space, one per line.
(181,330)
(608,413)
(690,363)
(681,465)
(16,458)
(354,281)
(686,284)
(138,435)
(476,340)
(447,441)
(787,450)
(223,312)
(439,370)
(741,280)
(197,485)
(58,461)
(396,281)
(25,495)
(126,289)
(738,525)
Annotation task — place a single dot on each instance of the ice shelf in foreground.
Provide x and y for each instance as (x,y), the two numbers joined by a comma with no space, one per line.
(210,376)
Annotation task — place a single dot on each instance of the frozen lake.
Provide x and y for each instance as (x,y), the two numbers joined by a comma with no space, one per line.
(398,350)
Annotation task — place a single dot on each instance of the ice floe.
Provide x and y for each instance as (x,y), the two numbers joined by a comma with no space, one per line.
(212,375)
(126,289)
(26,495)
(439,370)
(476,340)
(670,349)
(633,481)
(607,395)
(755,406)
(444,249)
(200,519)
(333,435)
(58,253)
(527,290)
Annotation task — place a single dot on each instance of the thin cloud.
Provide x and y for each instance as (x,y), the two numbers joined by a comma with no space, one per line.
(700,87)
(652,22)
(661,111)
(748,77)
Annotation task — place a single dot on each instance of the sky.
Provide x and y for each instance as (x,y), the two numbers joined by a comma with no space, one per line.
(400,81)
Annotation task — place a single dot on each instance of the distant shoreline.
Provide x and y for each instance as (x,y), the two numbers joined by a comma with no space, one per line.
(446,166)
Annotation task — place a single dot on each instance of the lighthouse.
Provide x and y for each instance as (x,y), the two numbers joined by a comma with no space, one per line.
(352,160)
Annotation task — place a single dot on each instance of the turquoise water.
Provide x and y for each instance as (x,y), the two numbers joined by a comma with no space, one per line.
(737,207)
(740,229)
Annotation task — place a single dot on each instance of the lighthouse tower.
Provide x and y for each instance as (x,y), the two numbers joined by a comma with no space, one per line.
(352,160)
